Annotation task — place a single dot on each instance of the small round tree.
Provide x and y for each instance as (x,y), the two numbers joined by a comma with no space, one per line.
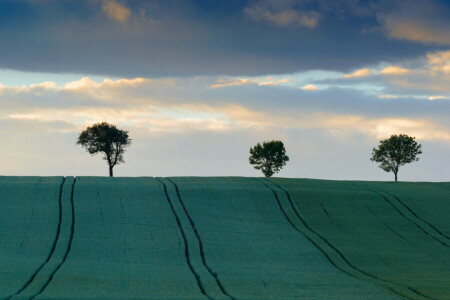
(270,157)
(395,152)
(107,139)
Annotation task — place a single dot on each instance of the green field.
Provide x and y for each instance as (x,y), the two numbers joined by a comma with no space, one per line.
(222,238)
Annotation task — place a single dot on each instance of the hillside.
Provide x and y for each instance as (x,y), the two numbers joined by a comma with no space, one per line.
(223,238)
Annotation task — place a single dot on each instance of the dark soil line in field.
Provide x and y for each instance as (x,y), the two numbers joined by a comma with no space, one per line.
(186,248)
(301,232)
(69,245)
(202,253)
(329,216)
(390,228)
(340,253)
(409,219)
(418,217)
(52,250)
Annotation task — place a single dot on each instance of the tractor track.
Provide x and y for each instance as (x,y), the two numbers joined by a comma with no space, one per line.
(69,245)
(390,228)
(202,253)
(415,224)
(186,247)
(337,251)
(418,217)
(52,250)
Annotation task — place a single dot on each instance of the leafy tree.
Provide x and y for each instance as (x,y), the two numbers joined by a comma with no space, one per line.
(107,139)
(270,157)
(395,152)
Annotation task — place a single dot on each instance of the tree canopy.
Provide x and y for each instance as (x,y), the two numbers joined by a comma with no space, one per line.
(396,151)
(107,139)
(270,157)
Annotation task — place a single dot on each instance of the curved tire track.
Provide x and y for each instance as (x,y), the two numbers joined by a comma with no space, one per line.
(381,281)
(390,228)
(202,253)
(69,246)
(186,246)
(415,224)
(52,250)
(420,218)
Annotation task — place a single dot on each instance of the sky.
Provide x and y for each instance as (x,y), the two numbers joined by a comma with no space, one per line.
(197,83)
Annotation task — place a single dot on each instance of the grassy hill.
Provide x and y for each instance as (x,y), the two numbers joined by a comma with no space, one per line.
(223,238)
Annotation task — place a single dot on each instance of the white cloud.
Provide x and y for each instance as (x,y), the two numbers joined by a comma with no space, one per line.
(116,11)
(387,96)
(360,73)
(266,81)
(310,87)
(269,81)
(438,97)
(167,114)
(231,82)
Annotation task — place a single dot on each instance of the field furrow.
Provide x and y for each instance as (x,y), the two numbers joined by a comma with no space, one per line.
(436,230)
(250,240)
(410,216)
(30,228)
(341,261)
(222,238)
(370,227)
(63,246)
(186,243)
(200,244)
(126,245)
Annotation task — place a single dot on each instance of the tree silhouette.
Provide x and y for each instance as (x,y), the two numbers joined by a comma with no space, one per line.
(395,152)
(107,139)
(270,157)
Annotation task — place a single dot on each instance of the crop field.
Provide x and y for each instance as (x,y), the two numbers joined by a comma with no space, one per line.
(222,238)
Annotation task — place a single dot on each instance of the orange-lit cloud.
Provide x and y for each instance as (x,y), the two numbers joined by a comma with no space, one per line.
(440,61)
(116,11)
(310,87)
(387,96)
(360,73)
(394,70)
(268,81)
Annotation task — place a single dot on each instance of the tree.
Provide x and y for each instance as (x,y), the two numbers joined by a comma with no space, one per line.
(395,152)
(270,157)
(105,138)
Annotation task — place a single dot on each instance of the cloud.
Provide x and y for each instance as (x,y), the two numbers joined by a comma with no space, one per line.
(175,122)
(87,83)
(231,82)
(179,103)
(267,81)
(394,70)
(438,97)
(116,11)
(282,13)
(440,61)
(430,77)
(184,41)
(360,73)
(310,87)
(425,76)
(419,21)
(387,96)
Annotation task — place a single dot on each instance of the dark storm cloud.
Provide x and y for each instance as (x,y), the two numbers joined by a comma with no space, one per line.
(184,38)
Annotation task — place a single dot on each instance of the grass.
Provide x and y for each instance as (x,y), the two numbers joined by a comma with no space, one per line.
(223,238)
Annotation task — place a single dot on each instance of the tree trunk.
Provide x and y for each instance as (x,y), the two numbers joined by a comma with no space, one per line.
(111,171)
(395,176)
